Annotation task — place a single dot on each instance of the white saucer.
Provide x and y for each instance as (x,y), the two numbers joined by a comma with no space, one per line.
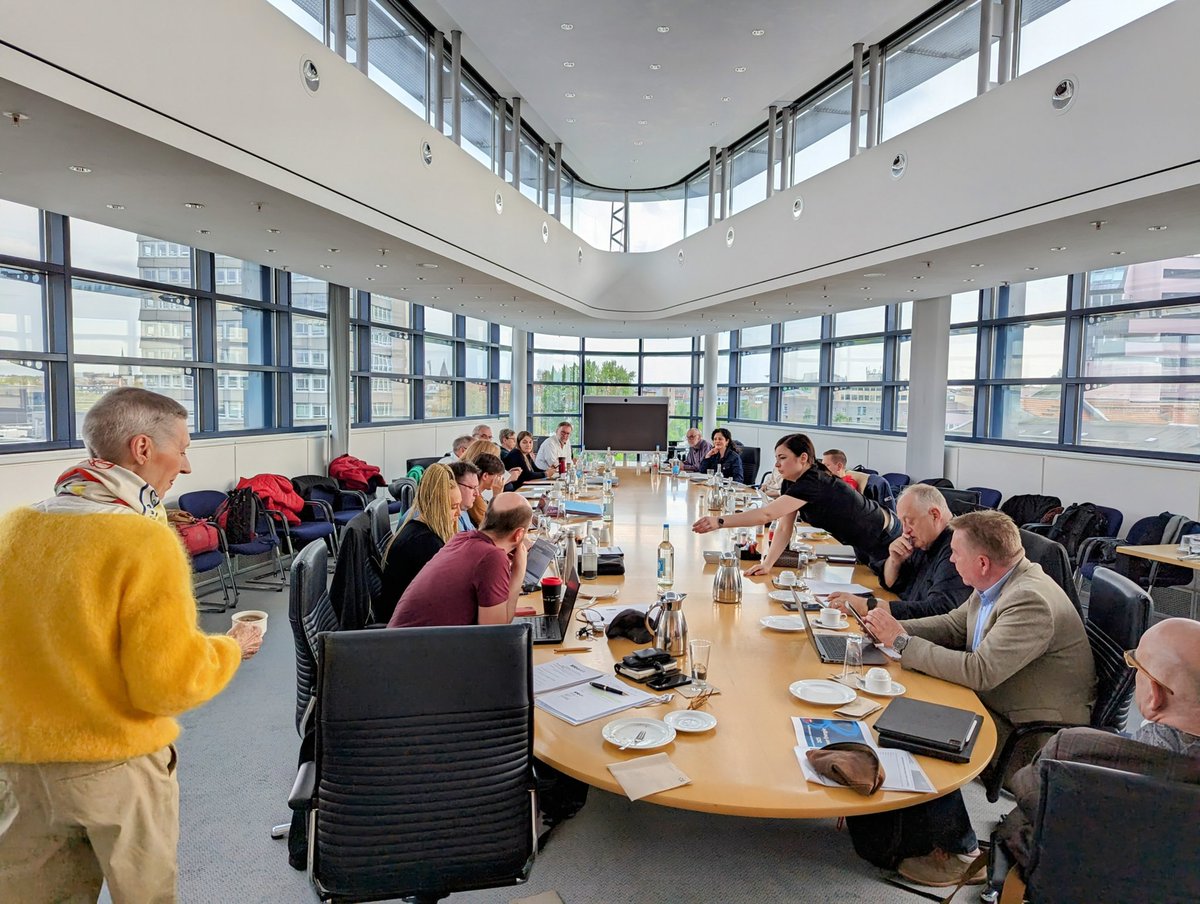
(782,622)
(785,596)
(897,689)
(817,624)
(821,692)
(622,731)
(691,721)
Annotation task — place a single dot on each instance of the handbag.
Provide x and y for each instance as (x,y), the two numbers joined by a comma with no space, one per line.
(198,536)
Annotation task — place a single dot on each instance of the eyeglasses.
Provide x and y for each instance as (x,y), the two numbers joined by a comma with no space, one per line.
(474,488)
(1131,661)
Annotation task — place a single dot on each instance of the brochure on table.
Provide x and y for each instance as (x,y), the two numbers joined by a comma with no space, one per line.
(605,614)
(901,769)
(564,689)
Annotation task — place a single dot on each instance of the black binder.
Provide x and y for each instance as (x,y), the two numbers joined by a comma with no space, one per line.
(931,729)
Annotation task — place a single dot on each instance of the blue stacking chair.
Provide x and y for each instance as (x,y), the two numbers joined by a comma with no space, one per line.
(204,504)
(217,560)
(897,481)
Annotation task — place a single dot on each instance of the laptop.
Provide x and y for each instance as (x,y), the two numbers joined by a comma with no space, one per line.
(536,562)
(554,628)
(832,647)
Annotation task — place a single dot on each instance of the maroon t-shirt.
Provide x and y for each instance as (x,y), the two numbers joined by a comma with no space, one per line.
(469,573)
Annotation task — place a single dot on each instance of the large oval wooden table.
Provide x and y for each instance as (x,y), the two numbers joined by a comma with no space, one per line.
(746,766)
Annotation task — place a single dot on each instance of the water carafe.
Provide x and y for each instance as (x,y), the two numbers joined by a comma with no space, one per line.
(727,582)
(670,633)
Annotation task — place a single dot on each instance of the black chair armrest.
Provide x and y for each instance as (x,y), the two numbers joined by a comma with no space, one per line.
(1104,549)
(222,540)
(353,499)
(1000,765)
(1036,527)
(322,511)
(305,787)
(275,516)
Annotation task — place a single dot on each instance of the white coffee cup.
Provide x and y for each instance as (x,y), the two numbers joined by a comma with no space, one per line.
(830,617)
(253,617)
(787,578)
(878,681)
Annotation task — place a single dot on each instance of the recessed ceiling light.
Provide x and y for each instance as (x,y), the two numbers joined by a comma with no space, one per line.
(654,67)
(193,205)
(1116,253)
(865,288)
(115,206)
(566,26)
(421,279)
(976,266)
(968,280)
(1155,228)
(647,97)
(638,142)
(759,32)
(381,266)
(82,170)
(202,231)
(428,266)
(739,68)
(1031,269)
(874,275)
(868,298)
(726,99)
(567,64)
(334,250)
(713,123)
(434,297)
(663,29)
(641,122)
(912,290)
(477,297)
(572,119)
(326,266)
(1059,248)
(569,94)
(918,277)
(273,231)
(270,251)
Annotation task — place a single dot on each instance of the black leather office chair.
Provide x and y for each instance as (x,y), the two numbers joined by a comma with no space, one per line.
(381,523)
(403,491)
(1109,836)
(961,501)
(421,786)
(1054,561)
(423,462)
(1118,615)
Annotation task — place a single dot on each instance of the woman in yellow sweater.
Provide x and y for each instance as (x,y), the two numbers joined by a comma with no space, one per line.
(99,651)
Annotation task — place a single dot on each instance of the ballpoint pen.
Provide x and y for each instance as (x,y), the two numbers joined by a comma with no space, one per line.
(604,687)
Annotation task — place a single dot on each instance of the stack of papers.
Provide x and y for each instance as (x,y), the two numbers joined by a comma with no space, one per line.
(564,689)
(608,613)
(902,772)
(821,588)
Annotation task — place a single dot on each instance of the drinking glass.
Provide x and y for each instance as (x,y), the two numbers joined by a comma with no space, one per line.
(853,666)
(698,651)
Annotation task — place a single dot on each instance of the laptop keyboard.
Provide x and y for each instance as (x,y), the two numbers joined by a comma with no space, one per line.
(834,646)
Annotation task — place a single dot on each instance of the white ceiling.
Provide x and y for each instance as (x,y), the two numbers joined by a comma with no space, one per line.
(520,46)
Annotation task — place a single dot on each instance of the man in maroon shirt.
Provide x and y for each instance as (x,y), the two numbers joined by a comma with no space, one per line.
(476,577)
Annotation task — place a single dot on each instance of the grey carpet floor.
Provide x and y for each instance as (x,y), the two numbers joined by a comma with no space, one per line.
(237,763)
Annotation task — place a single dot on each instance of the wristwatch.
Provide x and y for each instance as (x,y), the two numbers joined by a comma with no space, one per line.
(901,642)
(720,522)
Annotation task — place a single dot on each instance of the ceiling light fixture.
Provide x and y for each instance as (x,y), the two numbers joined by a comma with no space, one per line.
(428,266)
(370,279)
(569,94)
(115,206)
(976,266)
(873,275)
(1031,269)
(1059,248)
(647,97)
(918,277)
(567,64)
(381,266)
(726,99)
(1155,228)
(739,68)
(334,250)
(641,122)
(326,266)
(202,231)
(571,119)
(270,251)
(638,142)
(759,32)
(193,205)
(82,170)
(663,29)
(273,231)
(969,280)
(654,67)
(1116,253)
(566,26)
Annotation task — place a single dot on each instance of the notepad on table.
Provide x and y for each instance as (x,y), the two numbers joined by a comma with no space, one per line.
(582,702)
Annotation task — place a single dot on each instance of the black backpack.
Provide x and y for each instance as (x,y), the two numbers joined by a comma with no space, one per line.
(238,515)
(1077,523)
(1030,508)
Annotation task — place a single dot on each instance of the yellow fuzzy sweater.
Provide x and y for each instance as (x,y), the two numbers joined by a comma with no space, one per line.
(99,646)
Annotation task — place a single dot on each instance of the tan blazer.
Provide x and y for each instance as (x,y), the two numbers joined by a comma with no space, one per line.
(1034,662)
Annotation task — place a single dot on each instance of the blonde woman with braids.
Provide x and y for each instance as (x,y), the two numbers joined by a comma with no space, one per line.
(431,522)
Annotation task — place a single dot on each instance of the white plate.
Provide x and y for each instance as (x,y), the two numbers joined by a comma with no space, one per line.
(785,596)
(623,731)
(821,692)
(782,622)
(897,689)
(690,721)
(697,476)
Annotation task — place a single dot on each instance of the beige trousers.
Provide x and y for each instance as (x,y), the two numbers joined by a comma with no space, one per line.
(66,827)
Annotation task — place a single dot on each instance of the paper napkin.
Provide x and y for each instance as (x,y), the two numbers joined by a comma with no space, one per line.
(648,775)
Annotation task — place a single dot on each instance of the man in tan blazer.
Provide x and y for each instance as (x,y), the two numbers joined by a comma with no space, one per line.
(1017,642)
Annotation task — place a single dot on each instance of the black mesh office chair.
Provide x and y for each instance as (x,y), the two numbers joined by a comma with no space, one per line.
(1106,835)
(1118,615)
(421,786)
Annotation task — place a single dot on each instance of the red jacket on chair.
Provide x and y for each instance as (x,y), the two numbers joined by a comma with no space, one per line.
(277,493)
(355,474)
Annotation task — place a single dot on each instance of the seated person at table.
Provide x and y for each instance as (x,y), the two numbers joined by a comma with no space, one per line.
(508,440)
(481,432)
(553,448)
(918,567)
(723,455)
(772,484)
(1019,644)
(456,451)
(1166,746)
(835,461)
(492,478)
(466,477)
(474,579)
(431,522)
(821,499)
(520,458)
(698,449)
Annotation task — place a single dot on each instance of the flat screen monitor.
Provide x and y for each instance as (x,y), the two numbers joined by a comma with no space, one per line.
(625,423)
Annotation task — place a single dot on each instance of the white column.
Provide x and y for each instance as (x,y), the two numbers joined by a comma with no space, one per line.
(929,356)
(340,366)
(520,379)
(710,384)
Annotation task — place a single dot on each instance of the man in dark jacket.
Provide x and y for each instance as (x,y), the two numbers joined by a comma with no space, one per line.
(918,567)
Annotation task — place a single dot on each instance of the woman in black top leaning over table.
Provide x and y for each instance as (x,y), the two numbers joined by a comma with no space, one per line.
(723,454)
(429,524)
(823,500)
(522,457)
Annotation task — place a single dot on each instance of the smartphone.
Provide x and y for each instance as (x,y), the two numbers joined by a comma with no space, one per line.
(663,682)
(791,606)
(862,624)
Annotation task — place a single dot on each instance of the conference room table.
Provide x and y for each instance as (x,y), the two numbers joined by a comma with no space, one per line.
(746,765)
(1167,553)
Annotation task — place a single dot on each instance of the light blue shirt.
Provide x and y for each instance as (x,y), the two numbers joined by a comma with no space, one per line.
(987,602)
(464,521)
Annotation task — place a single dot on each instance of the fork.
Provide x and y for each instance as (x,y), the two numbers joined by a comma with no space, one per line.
(633,743)
(656,699)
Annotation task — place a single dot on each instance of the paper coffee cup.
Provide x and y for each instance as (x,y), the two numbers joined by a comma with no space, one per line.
(787,577)
(830,617)
(255,617)
(878,680)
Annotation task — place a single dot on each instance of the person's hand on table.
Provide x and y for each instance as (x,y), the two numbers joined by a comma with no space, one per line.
(839,599)
(883,625)
(705,525)
(760,567)
(249,638)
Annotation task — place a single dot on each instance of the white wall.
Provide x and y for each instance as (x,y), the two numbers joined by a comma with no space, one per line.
(219,463)
(1136,487)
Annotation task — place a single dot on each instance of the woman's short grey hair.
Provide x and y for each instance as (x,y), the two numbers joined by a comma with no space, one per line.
(126,412)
